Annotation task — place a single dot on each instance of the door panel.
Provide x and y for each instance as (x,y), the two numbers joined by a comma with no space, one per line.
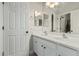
(12,44)
(12,22)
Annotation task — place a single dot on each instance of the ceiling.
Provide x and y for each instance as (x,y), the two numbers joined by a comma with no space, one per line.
(66,6)
(62,7)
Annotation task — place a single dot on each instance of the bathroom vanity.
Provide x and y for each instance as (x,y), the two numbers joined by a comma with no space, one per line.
(55,46)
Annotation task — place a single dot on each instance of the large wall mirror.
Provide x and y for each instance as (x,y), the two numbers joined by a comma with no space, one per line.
(65,23)
(62,18)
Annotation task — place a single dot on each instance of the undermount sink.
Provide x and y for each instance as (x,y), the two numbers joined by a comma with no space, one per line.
(72,40)
(61,38)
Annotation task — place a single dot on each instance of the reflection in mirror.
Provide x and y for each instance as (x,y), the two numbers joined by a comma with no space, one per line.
(35,22)
(68,23)
(37,18)
(65,23)
(40,22)
(52,20)
(45,20)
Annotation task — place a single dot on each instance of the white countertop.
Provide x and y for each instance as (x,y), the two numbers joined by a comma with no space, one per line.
(71,43)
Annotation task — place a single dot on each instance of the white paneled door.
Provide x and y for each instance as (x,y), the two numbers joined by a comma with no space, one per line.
(1,31)
(16,42)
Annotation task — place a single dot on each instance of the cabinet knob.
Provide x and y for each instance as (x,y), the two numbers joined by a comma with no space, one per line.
(44,47)
(2,27)
(41,45)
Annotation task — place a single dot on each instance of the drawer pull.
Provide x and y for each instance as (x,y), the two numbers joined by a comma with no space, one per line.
(41,45)
(44,47)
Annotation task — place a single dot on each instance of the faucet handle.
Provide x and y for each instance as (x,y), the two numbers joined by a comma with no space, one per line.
(45,32)
(64,36)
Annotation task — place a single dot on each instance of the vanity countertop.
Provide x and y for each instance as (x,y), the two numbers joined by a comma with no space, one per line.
(71,43)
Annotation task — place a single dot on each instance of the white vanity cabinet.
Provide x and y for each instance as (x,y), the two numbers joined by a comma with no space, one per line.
(50,48)
(43,47)
(65,51)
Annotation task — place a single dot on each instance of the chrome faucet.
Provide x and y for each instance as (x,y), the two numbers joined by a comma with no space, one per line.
(45,32)
(64,36)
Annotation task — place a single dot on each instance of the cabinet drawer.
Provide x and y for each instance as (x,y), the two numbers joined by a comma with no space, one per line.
(65,51)
(35,44)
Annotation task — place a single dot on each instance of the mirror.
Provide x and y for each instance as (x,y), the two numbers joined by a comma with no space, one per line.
(61,18)
(37,18)
(45,19)
(40,22)
(65,25)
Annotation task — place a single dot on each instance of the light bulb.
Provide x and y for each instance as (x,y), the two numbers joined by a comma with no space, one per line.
(37,13)
(48,4)
(52,6)
(56,3)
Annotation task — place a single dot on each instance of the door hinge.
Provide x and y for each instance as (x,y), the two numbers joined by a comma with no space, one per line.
(3,3)
(3,53)
(2,27)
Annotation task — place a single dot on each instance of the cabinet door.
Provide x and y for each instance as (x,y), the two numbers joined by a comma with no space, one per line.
(35,44)
(38,46)
(64,51)
(50,48)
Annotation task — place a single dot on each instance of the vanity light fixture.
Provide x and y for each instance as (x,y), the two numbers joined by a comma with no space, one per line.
(48,4)
(52,4)
(56,3)
(37,13)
